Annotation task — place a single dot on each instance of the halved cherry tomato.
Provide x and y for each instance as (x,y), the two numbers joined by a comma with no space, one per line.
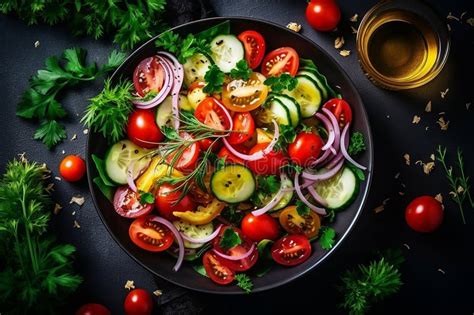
(281,60)
(243,96)
(268,165)
(165,202)
(260,227)
(72,168)
(293,223)
(127,203)
(142,128)
(150,235)
(238,250)
(245,127)
(148,76)
(254,45)
(341,110)
(211,114)
(305,149)
(291,250)
(188,157)
(138,302)
(218,272)
(229,157)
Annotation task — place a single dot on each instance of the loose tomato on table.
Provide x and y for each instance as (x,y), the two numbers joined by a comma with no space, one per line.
(243,96)
(244,127)
(150,235)
(148,76)
(341,109)
(291,250)
(323,15)
(143,130)
(93,309)
(424,214)
(268,165)
(127,203)
(260,227)
(254,45)
(281,60)
(216,270)
(189,155)
(306,148)
(210,113)
(293,223)
(72,168)
(138,302)
(166,202)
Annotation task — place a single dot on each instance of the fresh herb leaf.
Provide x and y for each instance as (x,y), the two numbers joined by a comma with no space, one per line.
(282,82)
(302,208)
(229,239)
(218,29)
(357,171)
(146,198)
(232,214)
(50,132)
(241,71)
(169,41)
(214,78)
(220,163)
(287,136)
(107,191)
(244,282)
(199,268)
(265,261)
(356,143)
(327,237)
(268,184)
(292,168)
(100,166)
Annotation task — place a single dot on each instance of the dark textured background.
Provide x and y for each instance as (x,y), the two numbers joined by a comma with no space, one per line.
(426,290)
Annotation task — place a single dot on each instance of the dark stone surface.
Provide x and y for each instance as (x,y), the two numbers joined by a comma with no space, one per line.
(426,290)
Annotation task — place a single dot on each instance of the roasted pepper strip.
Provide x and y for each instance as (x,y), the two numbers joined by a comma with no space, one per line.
(203,214)
(146,182)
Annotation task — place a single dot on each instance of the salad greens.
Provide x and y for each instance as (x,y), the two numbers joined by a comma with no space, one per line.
(356,143)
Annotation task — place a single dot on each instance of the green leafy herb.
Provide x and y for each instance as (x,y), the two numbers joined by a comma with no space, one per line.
(302,208)
(268,184)
(220,163)
(282,82)
(230,239)
(107,191)
(146,197)
(368,284)
(292,168)
(232,214)
(244,282)
(199,268)
(327,237)
(40,101)
(108,112)
(287,136)
(34,267)
(131,22)
(241,71)
(214,78)
(100,166)
(357,171)
(265,261)
(356,143)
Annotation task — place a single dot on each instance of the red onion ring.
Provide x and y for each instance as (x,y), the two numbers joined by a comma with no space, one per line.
(316,196)
(275,200)
(330,130)
(330,173)
(335,125)
(344,150)
(333,162)
(316,209)
(204,239)
(178,74)
(322,158)
(178,238)
(256,155)
(243,256)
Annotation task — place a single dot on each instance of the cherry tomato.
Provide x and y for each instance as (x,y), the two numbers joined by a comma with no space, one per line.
(306,148)
(148,76)
(93,309)
(142,128)
(72,168)
(243,96)
(229,157)
(268,165)
(260,227)
(323,15)
(188,157)
(281,60)
(291,250)
(245,127)
(165,202)
(210,113)
(424,214)
(127,203)
(138,302)
(341,110)
(150,235)
(293,223)
(218,272)
(254,45)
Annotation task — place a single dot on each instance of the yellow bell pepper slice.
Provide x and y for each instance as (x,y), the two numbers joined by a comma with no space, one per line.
(146,182)
(203,214)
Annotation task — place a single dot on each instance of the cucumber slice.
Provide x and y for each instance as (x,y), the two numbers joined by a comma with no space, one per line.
(307,95)
(292,106)
(195,68)
(322,80)
(286,197)
(164,113)
(317,80)
(233,183)
(194,231)
(340,190)
(279,112)
(120,156)
(226,51)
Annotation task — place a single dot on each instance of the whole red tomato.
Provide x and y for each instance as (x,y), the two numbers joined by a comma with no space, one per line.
(142,128)
(306,148)
(424,214)
(92,309)
(138,302)
(165,202)
(72,168)
(260,227)
(323,15)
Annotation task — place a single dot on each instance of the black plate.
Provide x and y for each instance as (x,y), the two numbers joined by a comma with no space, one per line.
(161,264)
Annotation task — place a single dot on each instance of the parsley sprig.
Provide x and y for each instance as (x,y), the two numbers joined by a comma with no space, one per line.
(230,239)
(214,78)
(356,143)
(241,70)
(282,82)
(182,48)
(327,237)
(244,282)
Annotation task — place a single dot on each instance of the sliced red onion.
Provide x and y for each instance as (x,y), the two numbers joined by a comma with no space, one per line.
(335,125)
(178,74)
(330,173)
(256,155)
(333,162)
(322,158)
(178,238)
(316,196)
(239,257)
(330,130)
(345,138)
(204,239)
(275,200)
(167,85)
(300,194)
